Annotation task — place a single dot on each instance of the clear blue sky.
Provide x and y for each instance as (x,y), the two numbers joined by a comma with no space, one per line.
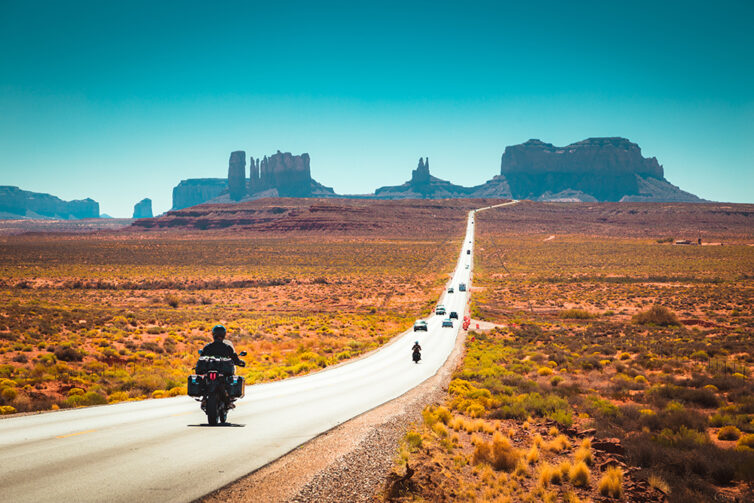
(121,100)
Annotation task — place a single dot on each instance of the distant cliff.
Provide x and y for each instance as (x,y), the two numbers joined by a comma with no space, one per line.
(280,175)
(197,191)
(596,169)
(17,203)
(143,209)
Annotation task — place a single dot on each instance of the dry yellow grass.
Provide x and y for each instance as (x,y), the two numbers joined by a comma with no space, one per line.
(611,483)
(499,453)
(579,474)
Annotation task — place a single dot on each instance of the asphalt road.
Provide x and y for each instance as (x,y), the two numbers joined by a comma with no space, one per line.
(162,450)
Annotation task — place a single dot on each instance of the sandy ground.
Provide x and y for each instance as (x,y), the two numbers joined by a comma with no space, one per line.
(348,463)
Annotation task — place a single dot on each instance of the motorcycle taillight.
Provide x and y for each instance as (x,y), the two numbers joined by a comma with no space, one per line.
(212,376)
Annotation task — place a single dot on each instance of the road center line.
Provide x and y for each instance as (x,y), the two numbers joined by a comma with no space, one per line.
(182,413)
(74,434)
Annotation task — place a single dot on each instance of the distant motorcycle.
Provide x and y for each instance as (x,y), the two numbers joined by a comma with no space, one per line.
(216,386)
(417,353)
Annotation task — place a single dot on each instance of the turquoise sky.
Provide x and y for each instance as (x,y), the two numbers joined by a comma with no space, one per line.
(121,100)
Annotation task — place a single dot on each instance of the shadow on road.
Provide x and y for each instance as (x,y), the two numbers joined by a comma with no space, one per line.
(224,425)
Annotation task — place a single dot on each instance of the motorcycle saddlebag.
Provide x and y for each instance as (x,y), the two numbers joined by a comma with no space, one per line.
(196,386)
(222,365)
(236,387)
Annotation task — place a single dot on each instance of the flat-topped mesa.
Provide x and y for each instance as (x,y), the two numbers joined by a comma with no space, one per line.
(593,155)
(197,191)
(289,174)
(605,168)
(143,209)
(237,175)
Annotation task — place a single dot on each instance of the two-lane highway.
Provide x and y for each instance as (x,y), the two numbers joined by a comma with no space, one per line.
(162,450)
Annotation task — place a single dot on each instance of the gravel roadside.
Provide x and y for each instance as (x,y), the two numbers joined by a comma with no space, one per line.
(348,463)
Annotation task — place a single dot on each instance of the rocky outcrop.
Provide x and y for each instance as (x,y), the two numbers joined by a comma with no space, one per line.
(197,191)
(237,175)
(143,209)
(423,186)
(279,175)
(17,203)
(289,174)
(595,169)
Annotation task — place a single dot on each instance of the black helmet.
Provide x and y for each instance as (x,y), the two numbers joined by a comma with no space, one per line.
(218,332)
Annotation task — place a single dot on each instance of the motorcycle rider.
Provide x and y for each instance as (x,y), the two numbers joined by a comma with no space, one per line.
(221,348)
(416,356)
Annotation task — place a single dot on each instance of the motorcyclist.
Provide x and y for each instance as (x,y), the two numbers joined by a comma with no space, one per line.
(221,348)
(416,347)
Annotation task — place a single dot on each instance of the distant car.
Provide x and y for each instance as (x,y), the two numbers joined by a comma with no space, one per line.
(462,287)
(453,315)
(451,290)
(420,325)
(440,310)
(467,266)
(447,322)
(468,252)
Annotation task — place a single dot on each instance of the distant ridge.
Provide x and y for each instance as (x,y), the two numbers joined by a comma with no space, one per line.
(596,169)
(18,204)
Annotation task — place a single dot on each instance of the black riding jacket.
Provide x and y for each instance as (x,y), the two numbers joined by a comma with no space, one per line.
(223,349)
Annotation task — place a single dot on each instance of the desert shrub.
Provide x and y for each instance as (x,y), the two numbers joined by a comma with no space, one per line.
(579,474)
(413,440)
(172,300)
(558,444)
(68,353)
(703,397)
(611,483)
(746,441)
(440,430)
(8,394)
(549,474)
(88,398)
(699,355)
(575,314)
(555,380)
(674,419)
(7,409)
(656,315)
(499,453)
(117,396)
(533,455)
(683,438)
(443,414)
(729,433)
(583,454)
(544,371)
(601,407)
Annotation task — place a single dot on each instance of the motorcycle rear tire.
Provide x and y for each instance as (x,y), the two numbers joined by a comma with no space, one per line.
(213,406)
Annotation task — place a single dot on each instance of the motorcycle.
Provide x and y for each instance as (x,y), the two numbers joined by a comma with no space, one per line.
(417,355)
(216,386)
